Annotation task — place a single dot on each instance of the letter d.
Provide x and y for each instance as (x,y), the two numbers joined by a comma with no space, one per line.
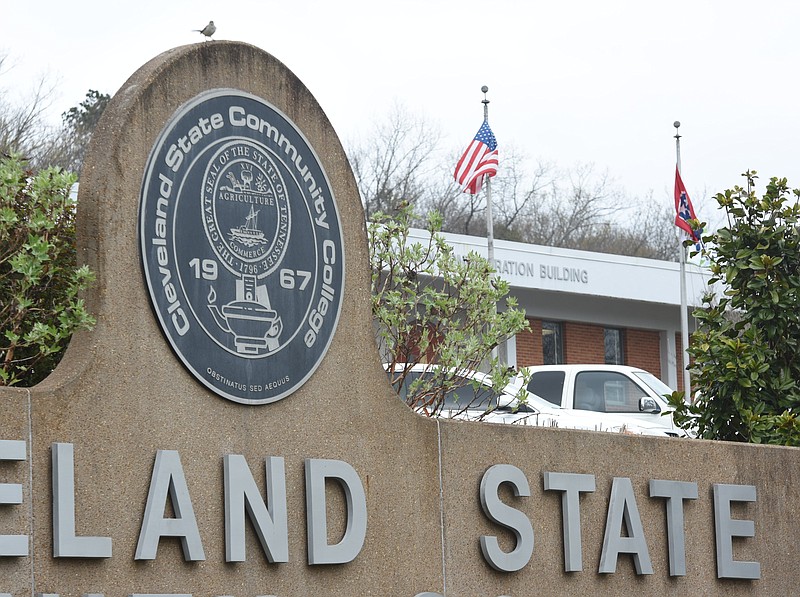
(319,552)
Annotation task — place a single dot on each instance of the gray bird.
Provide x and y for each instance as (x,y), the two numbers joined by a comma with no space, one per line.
(208,30)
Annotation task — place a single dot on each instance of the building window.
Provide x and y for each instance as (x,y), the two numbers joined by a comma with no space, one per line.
(552,343)
(613,346)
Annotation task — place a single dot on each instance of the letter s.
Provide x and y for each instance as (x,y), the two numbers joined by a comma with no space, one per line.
(506,516)
(174,157)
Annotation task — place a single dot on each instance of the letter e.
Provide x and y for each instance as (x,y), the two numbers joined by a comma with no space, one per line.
(11,493)
(725,529)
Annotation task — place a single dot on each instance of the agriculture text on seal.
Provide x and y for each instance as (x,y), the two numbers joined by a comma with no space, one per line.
(241,246)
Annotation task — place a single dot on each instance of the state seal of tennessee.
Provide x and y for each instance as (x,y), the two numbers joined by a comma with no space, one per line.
(241,246)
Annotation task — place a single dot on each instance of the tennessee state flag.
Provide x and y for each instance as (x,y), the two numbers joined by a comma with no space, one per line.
(684,210)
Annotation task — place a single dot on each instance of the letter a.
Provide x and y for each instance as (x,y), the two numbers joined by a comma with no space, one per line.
(622,509)
(168,479)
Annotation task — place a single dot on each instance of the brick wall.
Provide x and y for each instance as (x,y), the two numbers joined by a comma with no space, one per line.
(529,345)
(643,349)
(583,343)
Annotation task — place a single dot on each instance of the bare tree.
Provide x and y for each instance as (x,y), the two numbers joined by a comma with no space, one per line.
(566,211)
(22,123)
(24,129)
(513,193)
(518,195)
(66,147)
(461,212)
(655,235)
(578,208)
(392,166)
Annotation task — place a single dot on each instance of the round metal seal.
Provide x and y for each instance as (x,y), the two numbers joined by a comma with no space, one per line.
(241,246)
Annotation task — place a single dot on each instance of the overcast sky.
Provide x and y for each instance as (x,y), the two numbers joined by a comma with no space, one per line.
(569,81)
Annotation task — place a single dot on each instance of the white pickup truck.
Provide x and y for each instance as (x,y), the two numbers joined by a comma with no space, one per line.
(619,391)
(477,400)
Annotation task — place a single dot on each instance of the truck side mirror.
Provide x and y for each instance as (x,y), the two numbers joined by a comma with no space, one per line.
(648,405)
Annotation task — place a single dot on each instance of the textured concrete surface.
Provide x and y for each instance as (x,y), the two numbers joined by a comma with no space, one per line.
(121,394)
(774,472)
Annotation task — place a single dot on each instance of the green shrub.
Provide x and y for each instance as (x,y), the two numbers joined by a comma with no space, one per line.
(746,350)
(39,280)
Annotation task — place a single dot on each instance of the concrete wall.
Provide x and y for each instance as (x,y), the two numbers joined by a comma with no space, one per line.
(121,395)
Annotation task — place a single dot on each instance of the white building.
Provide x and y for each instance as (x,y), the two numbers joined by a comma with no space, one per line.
(587,307)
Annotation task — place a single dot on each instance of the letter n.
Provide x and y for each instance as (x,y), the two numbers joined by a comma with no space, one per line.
(242,494)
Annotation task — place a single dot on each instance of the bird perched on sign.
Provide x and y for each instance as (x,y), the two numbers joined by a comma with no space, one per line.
(208,30)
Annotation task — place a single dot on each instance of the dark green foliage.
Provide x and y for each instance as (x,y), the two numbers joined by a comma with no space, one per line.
(746,350)
(79,124)
(39,280)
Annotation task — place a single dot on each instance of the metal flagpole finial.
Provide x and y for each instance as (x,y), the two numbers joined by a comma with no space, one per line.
(677,125)
(485,102)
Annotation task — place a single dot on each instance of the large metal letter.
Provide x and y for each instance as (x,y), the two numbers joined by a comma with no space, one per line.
(11,493)
(319,552)
(572,485)
(241,493)
(725,529)
(506,516)
(675,492)
(622,508)
(168,479)
(162,595)
(65,543)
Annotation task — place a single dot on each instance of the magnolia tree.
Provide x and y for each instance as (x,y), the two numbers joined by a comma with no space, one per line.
(746,350)
(39,280)
(433,306)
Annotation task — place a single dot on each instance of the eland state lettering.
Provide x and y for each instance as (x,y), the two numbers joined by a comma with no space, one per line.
(242,500)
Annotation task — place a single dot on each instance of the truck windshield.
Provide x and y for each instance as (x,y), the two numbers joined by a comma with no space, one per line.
(655,384)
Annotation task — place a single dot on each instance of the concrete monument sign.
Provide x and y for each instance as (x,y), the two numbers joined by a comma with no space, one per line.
(227,428)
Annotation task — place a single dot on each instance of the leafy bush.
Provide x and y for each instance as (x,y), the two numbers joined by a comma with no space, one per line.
(746,350)
(432,306)
(39,279)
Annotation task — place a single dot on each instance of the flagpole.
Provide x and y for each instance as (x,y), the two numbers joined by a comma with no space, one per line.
(499,351)
(687,380)
(489,223)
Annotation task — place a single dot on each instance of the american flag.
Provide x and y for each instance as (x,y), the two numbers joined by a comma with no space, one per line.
(478,161)
(684,210)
